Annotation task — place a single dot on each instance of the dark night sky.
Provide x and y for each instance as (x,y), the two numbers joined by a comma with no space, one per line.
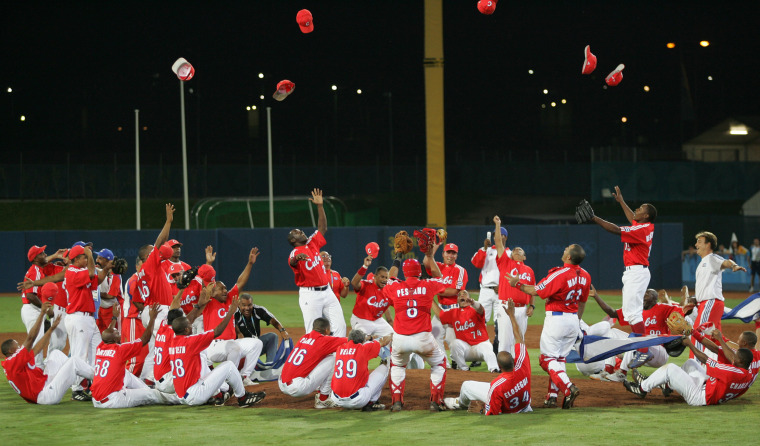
(78,71)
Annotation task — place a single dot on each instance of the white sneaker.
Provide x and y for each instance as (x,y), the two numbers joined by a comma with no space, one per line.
(247,382)
(451,403)
(601,376)
(618,377)
(326,404)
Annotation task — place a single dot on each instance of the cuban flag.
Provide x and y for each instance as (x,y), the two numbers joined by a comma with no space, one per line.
(597,348)
(747,311)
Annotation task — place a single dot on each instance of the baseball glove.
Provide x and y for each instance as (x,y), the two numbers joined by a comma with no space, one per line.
(425,238)
(442,235)
(402,242)
(119,265)
(476,407)
(674,347)
(678,325)
(187,277)
(584,212)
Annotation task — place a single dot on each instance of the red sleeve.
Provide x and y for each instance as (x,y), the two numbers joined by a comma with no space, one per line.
(446,317)
(479,259)
(634,234)
(437,286)
(333,343)
(234,292)
(202,341)
(130,349)
(373,349)
(621,319)
(78,278)
(317,240)
(496,402)
(464,280)
(152,264)
(115,289)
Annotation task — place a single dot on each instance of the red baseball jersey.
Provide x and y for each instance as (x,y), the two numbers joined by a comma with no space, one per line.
(370,301)
(185,355)
(335,282)
(310,272)
(350,373)
(453,276)
(165,265)
(510,392)
(469,326)
(154,283)
(412,300)
(162,364)
(60,298)
(109,367)
(753,367)
(637,243)
(133,295)
(564,288)
(36,272)
(191,294)
(725,382)
(513,268)
(655,318)
(215,311)
(312,348)
(79,287)
(23,375)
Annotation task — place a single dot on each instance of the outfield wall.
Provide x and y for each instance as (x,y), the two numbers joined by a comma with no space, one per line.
(543,246)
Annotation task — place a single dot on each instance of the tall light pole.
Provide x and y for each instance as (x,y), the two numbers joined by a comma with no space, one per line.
(184,154)
(137,168)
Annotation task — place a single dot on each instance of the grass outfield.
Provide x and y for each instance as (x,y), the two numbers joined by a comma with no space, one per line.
(79,423)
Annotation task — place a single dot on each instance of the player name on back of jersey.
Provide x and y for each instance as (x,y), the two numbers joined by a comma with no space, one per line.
(109,353)
(179,350)
(406,291)
(309,341)
(347,351)
(519,386)
(576,280)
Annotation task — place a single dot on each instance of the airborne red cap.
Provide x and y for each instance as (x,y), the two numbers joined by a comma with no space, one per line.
(487,7)
(305,21)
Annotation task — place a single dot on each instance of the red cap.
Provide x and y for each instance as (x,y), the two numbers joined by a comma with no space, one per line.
(411,268)
(49,291)
(487,7)
(284,88)
(616,76)
(451,247)
(175,268)
(172,243)
(207,273)
(75,251)
(589,63)
(373,249)
(165,251)
(305,21)
(34,251)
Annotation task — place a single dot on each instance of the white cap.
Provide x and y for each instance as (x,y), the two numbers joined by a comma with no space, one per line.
(183,69)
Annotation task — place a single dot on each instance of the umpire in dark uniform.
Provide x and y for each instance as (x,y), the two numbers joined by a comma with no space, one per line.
(248,319)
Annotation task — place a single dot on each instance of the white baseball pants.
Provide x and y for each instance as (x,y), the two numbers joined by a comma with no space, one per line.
(134,393)
(425,345)
(58,337)
(234,350)
(490,301)
(150,360)
(462,352)
(320,379)
(473,391)
(209,385)
(635,283)
(83,333)
(559,334)
(685,380)
(370,392)
(165,384)
(62,373)
(29,315)
(381,327)
(506,336)
(443,333)
(315,304)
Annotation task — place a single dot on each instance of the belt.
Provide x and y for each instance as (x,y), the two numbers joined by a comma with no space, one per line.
(104,400)
(504,302)
(560,313)
(161,380)
(314,288)
(448,307)
(495,288)
(628,268)
(186,395)
(350,397)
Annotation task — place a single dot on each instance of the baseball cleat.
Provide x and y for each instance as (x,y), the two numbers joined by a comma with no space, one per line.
(435,407)
(372,407)
(634,389)
(326,404)
(550,402)
(638,377)
(397,406)
(495,371)
(251,398)
(81,395)
(639,359)
(247,382)
(617,377)
(221,398)
(451,403)
(601,376)
(474,364)
(571,396)
(453,365)
(666,390)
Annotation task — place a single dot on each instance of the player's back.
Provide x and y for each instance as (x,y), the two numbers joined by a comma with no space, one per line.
(412,300)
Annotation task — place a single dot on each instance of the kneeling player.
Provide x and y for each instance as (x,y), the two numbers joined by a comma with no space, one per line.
(353,386)
(469,322)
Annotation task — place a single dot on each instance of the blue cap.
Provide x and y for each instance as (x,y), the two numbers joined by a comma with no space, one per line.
(504,231)
(82,244)
(105,253)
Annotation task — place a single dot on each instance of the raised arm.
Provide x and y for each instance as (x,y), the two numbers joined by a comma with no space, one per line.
(243,278)
(626,209)
(701,357)
(607,226)
(210,255)
(42,343)
(604,305)
(316,198)
(152,313)
(163,236)
(90,262)
(35,330)
(356,281)
(497,241)
(29,283)
(527,289)
(515,326)
(728,263)
(727,351)
(430,262)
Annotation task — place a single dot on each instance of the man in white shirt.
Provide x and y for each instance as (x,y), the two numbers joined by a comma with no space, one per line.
(754,252)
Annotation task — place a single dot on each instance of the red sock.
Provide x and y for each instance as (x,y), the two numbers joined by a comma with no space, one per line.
(640,328)
(323,397)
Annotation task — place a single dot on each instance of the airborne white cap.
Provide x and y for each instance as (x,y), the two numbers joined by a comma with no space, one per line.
(183,69)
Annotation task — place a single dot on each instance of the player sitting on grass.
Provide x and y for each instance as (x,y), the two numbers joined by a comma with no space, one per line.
(352,385)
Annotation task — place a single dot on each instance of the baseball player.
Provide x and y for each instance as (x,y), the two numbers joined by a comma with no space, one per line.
(185,354)
(485,260)
(722,350)
(315,297)
(338,284)
(412,300)
(113,387)
(310,365)
(174,260)
(109,289)
(471,343)
(132,326)
(455,278)
(30,381)
(566,290)
(226,347)
(353,387)
(248,325)
(655,317)
(206,274)
(708,288)
(637,244)
(715,383)
(510,391)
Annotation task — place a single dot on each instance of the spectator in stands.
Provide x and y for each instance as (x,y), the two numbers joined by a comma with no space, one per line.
(754,263)
(691,258)
(722,250)
(737,250)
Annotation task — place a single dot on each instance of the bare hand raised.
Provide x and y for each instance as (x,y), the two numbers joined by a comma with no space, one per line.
(316,196)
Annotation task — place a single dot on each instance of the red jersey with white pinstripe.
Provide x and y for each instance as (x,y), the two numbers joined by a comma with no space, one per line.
(185,354)
(109,367)
(335,282)
(36,272)
(518,269)
(370,302)
(191,294)
(79,287)
(154,283)
(564,288)
(310,350)
(510,392)
(412,300)
(162,364)
(350,373)
(725,382)
(166,264)
(133,295)
(754,367)
(469,326)
(637,243)
(310,272)
(23,375)
(655,318)
(453,276)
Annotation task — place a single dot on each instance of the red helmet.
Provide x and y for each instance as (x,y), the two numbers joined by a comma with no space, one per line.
(411,268)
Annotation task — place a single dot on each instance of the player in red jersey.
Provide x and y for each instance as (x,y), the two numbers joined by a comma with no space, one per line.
(469,322)
(174,261)
(566,290)
(109,289)
(637,245)
(412,300)
(510,391)
(113,387)
(725,353)
(353,387)
(338,284)
(132,327)
(371,305)
(455,278)
(314,294)
(484,259)
(30,381)
(187,364)
(206,275)
(310,365)
(655,317)
(715,383)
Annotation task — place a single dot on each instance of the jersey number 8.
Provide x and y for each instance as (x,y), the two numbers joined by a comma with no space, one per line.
(411,311)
